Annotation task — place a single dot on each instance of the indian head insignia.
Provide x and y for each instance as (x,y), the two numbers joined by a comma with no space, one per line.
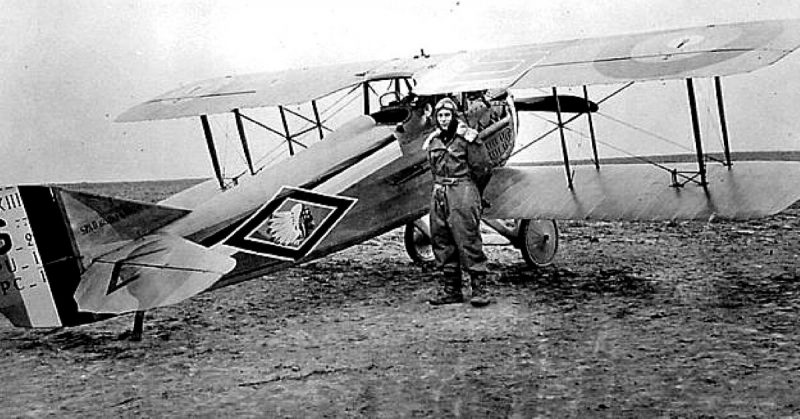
(291,224)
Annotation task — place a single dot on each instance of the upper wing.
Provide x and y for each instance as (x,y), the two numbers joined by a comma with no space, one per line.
(714,50)
(681,53)
(288,87)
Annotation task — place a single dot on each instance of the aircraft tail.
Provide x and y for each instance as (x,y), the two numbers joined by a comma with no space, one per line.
(50,236)
(153,271)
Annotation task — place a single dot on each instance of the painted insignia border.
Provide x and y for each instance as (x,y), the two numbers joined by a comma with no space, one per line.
(244,238)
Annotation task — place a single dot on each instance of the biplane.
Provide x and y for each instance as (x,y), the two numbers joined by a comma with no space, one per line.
(69,257)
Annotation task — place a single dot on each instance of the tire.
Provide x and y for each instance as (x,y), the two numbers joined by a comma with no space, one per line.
(417,240)
(538,242)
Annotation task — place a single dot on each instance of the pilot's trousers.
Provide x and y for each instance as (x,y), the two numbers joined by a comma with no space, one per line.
(455,227)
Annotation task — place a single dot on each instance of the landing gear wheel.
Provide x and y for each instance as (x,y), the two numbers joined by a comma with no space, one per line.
(538,241)
(417,239)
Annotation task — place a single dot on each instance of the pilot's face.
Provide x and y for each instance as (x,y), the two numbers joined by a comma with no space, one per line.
(443,118)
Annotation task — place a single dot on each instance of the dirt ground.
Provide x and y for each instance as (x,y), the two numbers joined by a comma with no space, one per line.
(688,319)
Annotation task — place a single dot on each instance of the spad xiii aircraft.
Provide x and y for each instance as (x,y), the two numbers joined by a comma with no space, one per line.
(68,257)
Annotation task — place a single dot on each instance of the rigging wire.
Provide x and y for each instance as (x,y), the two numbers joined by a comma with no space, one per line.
(231,144)
(349,95)
(271,155)
(353,89)
(327,113)
(629,154)
(543,136)
(369,86)
(352,99)
(614,119)
(711,99)
(654,135)
(226,146)
(644,131)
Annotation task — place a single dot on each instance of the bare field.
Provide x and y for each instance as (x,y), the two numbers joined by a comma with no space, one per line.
(681,319)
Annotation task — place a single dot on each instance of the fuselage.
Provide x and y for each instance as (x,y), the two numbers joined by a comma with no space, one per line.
(389,197)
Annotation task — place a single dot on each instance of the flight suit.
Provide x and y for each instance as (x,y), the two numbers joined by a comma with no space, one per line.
(458,167)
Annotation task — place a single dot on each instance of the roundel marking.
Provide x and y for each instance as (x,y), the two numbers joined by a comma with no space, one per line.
(675,52)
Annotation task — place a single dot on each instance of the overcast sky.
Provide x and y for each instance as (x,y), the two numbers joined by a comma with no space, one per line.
(68,68)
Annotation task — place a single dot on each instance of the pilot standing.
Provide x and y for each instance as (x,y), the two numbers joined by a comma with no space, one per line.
(459,163)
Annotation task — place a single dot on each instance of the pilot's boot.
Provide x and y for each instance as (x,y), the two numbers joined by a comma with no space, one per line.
(480,296)
(450,292)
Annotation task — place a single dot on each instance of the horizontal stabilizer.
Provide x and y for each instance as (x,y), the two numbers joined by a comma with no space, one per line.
(750,189)
(153,271)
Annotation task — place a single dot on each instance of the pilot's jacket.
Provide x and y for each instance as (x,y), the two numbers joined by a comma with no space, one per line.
(458,167)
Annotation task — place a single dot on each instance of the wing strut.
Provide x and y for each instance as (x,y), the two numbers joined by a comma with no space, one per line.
(722,122)
(591,127)
(273,130)
(316,117)
(698,142)
(212,151)
(366,98)
(286,129)
(563,139)
(243,137)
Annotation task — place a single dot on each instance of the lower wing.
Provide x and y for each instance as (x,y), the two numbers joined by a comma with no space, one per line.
(750,189)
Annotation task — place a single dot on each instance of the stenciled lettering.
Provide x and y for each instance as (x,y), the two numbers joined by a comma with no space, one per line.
(16,283)
(5,240)
(10,202)
(500,144)
(110,218)
(11,264)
